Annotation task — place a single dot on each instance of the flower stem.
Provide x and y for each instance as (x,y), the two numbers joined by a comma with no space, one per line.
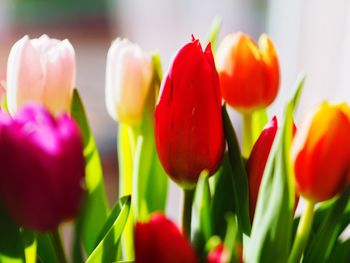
(303,233)
(56,242)
(187,211)
(127,137)
(247,133)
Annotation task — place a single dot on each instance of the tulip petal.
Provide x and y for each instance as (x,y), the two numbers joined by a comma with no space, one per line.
(25,75)
(60,76)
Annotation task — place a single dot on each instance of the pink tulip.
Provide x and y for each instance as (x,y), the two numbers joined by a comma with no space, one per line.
(41,70)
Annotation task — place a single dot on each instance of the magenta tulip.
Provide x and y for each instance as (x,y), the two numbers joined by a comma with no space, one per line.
(42,168)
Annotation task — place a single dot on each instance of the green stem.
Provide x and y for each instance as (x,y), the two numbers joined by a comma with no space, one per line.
(126,148)
(187,211)
(247,133)
(56,242)
(303,233)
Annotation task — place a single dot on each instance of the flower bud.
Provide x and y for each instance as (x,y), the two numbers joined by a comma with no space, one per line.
(188,123)
(42,168)
(249,74)
(218,255)
(321,152)
(257,161)
(128,78)
(159,240)
(41,70)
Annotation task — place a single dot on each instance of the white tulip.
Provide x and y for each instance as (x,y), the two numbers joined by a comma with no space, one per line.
(41,70)
(128,78)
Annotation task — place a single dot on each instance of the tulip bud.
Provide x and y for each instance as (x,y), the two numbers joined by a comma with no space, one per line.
(42,168)
(188,122)
(159,240)
(41,70)
(128,78)
(257,161)
(249,74)
(218,255)
(321,152)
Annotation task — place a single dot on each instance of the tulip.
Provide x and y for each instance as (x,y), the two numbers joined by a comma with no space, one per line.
(218,255)
(321,152)
(188,123)
(43,71)
(249,74)
(42,168)
(128,78)
(159,240)
(257,161)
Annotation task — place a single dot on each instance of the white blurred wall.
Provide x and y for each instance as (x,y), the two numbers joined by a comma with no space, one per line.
(312,37)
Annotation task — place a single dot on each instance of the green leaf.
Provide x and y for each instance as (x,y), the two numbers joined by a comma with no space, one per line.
(11,243)
(341,252)
(223,201)
(127,137)
(214,33)
(106,250)
(30,245)
(240,182)
(259,120)
(95,207)
(327,234)
(272,225)
(150,182)
(232,235)
(45,250)
(200,223)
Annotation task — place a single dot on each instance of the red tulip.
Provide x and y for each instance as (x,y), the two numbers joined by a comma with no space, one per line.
(218,255)
(159,240)
(221,255)
(42,168)
(188,123)
(321,152)
(257,160)
(249,73)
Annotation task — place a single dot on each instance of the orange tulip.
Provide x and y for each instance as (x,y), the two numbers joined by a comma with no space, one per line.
(321,152)
(249,74)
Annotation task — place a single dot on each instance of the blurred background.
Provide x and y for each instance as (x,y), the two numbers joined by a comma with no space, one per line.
(311,36)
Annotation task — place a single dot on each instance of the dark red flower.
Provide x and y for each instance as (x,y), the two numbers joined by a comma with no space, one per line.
(159,240)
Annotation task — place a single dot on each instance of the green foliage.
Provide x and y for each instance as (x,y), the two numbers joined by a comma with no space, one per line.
(11,243)
(335,220)
(223,200)
(240,189)
(109,236)
(95,208)
(200,224)
(270,240)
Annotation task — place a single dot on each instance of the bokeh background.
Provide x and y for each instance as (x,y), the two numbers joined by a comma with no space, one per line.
(311,36)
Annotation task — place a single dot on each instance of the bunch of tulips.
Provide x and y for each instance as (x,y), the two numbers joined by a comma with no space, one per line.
(239,194)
